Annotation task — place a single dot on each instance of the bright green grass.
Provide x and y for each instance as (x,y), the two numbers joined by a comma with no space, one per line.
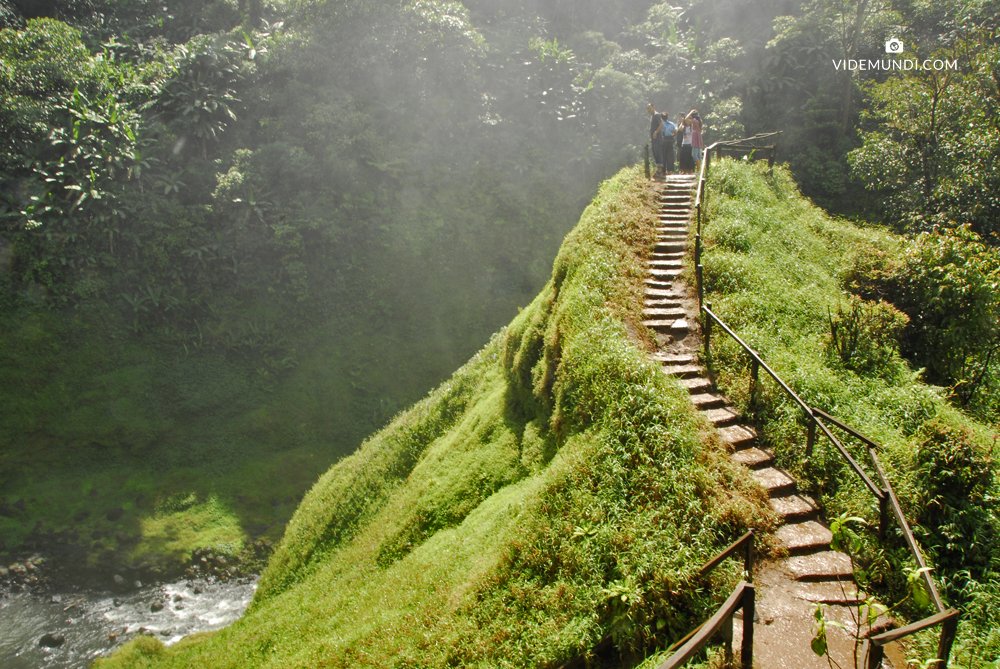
(555,490)
(774,270)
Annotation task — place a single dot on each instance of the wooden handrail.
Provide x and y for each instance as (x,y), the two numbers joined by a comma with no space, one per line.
(897,511)
(885,495)
(745,542)
(876,491)
(742,597)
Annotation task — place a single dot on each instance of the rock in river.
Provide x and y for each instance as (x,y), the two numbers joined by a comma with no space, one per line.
(51,640)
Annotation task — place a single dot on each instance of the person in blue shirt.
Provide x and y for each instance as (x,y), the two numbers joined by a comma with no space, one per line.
(669,130)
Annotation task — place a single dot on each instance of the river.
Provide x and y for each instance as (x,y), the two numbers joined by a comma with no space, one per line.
(95,623)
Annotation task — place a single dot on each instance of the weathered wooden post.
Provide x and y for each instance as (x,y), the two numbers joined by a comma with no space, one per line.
(749,612)
(708,335)
(754,378)
(810,436)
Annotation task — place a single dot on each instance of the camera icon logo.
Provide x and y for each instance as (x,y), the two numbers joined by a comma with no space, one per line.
(894,46)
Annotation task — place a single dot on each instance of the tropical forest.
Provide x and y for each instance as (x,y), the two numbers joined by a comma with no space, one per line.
(368,333)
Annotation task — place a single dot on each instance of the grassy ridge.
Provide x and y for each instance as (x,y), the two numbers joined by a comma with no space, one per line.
(557,489)
(777,269)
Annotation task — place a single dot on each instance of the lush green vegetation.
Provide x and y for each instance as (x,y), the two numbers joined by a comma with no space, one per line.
(555,490)
(781,272)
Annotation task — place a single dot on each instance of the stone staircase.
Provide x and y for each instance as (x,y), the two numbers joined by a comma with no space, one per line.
(789,588)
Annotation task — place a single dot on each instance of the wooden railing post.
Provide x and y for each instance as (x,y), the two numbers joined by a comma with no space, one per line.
(948,629)
(700,273)
(697,251)
(749,613)
(727,640)
(708,335)
(754,380)
(810,436)
(748,559)
(875,655)
(883,516)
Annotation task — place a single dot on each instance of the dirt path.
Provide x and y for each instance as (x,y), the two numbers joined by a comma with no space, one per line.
(789,588)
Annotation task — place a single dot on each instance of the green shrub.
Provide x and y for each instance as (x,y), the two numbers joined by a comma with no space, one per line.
(865,335)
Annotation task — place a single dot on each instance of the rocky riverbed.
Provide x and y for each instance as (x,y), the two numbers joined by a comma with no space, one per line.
(54,613)
(69,628)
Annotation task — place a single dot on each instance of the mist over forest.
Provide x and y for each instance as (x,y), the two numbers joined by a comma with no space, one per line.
(238,237)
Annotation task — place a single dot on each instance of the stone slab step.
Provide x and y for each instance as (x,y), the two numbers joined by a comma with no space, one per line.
(776,482)
(662,293)
(653,284)
(806,537)
(739,436)
(794,507)
(707,400)
(671,313)
(844,593)
(754,458)
(664,273)
(662,303)
(665,264)
(684,371)
(677,255)
(669,247)
(674,358)
(720,417)
(825,566)
(698,384)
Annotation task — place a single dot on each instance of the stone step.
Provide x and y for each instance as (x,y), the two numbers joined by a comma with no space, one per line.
(664,274)
(675,255)
(844,593)
(720,417)
(674,358)
(677,327)
(707,400)
(794,508)
(669,247)
(656,292)
(753,458)
(696,385)
(663,303)
(738,436)
(684,371)
(671,237)
(655,284)
(776,482)
(806,537)
(825,566)
(659,313)
(665,264)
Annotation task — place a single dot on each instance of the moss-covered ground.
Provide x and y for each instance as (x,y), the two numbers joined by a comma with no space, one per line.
(556,491)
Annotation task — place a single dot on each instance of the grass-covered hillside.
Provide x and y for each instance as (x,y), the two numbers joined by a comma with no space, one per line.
(804,290)
(556,491)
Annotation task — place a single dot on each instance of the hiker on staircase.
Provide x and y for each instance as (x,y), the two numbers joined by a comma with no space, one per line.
(656,138)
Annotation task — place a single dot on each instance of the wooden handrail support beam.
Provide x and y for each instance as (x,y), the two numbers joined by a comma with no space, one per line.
(742,597)
(847,428)
(746,544)
(875,490)
(907,533)
(756,357)
(949,625)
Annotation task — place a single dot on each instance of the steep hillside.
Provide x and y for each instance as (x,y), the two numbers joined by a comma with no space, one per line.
(557,489)
(803,290)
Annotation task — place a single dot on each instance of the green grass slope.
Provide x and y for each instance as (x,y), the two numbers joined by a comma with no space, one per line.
(779,271)
(558,489)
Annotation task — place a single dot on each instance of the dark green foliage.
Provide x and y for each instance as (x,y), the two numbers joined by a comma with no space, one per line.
(957,518)
(948,284)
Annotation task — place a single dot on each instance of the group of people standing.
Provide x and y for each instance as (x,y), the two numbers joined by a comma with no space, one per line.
(665,135)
